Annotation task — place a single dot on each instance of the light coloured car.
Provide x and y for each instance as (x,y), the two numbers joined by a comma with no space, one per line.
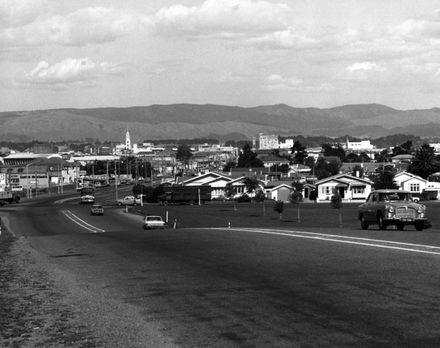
(96,209)
(152,221)
(128,200)
(392,207)
(87,199)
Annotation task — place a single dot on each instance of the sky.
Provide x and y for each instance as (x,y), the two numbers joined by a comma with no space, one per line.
(303,53)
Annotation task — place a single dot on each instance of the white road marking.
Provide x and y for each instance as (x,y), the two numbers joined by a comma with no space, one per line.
(60,201)
(377,243)
(80,222)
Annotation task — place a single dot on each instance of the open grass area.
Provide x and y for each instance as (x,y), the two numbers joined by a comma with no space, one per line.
(320,215)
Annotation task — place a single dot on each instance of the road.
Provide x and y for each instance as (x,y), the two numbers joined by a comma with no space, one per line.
(229,287)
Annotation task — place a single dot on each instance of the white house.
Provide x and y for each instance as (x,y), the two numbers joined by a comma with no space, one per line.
(216,181)
(410,182)
(350,188)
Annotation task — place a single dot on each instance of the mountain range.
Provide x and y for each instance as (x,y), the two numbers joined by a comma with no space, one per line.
(188,121)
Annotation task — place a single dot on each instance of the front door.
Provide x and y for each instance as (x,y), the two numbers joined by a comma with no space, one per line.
(342,192)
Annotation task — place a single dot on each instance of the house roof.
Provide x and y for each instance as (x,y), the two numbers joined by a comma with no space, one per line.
(346,179)
(300,168)
(261,171)
(210,176)
(407,174)
(366,166)
(281,186)
(403,156)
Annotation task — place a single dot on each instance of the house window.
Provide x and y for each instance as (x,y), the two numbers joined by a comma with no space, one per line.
(414,187)
(358,189)
(325,190)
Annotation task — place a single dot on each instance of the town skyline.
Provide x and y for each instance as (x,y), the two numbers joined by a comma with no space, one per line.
(63,54)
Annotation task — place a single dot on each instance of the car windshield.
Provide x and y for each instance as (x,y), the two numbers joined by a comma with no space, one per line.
(395,196)
(154,218)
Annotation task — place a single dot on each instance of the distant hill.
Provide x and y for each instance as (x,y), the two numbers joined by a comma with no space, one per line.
(183,121)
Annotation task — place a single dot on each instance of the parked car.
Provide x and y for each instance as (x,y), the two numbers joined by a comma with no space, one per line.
(392,207)
(96,209)
(153,222)
(128,200)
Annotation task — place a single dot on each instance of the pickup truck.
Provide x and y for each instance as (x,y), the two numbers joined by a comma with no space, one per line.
(128,200)
(8,197)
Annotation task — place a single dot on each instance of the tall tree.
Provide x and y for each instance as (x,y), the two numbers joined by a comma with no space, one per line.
(385,179)
(248,158)
(299,152)
(227,167)
(324,168)
(425,162)
(296,197)
(251,184)
(383,156)
(403,149)
(333,151)
(184,153)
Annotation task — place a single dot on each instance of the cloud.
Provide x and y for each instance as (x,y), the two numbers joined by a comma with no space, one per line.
(276,82)
(83,71)
(361,71)
(224,19)
(92,25)
(421,28)
(19,12)
(364,66)
(290,38)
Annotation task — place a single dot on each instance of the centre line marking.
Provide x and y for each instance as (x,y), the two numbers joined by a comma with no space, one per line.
(80,222)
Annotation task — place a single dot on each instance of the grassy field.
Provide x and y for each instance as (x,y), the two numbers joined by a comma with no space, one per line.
(312,216)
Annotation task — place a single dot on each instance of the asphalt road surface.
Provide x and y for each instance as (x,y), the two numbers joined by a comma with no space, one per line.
(230,287)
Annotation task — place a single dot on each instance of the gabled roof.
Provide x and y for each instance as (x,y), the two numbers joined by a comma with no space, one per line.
(281,186)
(344,178)
(407,174)
(207,177)
(237,180)
(403,156)
(416,178)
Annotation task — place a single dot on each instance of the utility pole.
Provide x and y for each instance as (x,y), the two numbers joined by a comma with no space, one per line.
(116,182)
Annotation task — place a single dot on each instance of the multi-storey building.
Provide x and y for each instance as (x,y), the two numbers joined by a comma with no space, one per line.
(267,142)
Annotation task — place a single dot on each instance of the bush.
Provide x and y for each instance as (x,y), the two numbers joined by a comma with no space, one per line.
(244,198)
(154,197)
(313,195)
(336,201)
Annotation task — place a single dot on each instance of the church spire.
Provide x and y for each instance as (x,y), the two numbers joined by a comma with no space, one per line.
(127,140)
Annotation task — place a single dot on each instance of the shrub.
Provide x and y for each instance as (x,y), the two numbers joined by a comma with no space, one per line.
(244,198)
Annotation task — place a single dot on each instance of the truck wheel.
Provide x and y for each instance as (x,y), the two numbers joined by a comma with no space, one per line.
(419,225)
(380,222)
